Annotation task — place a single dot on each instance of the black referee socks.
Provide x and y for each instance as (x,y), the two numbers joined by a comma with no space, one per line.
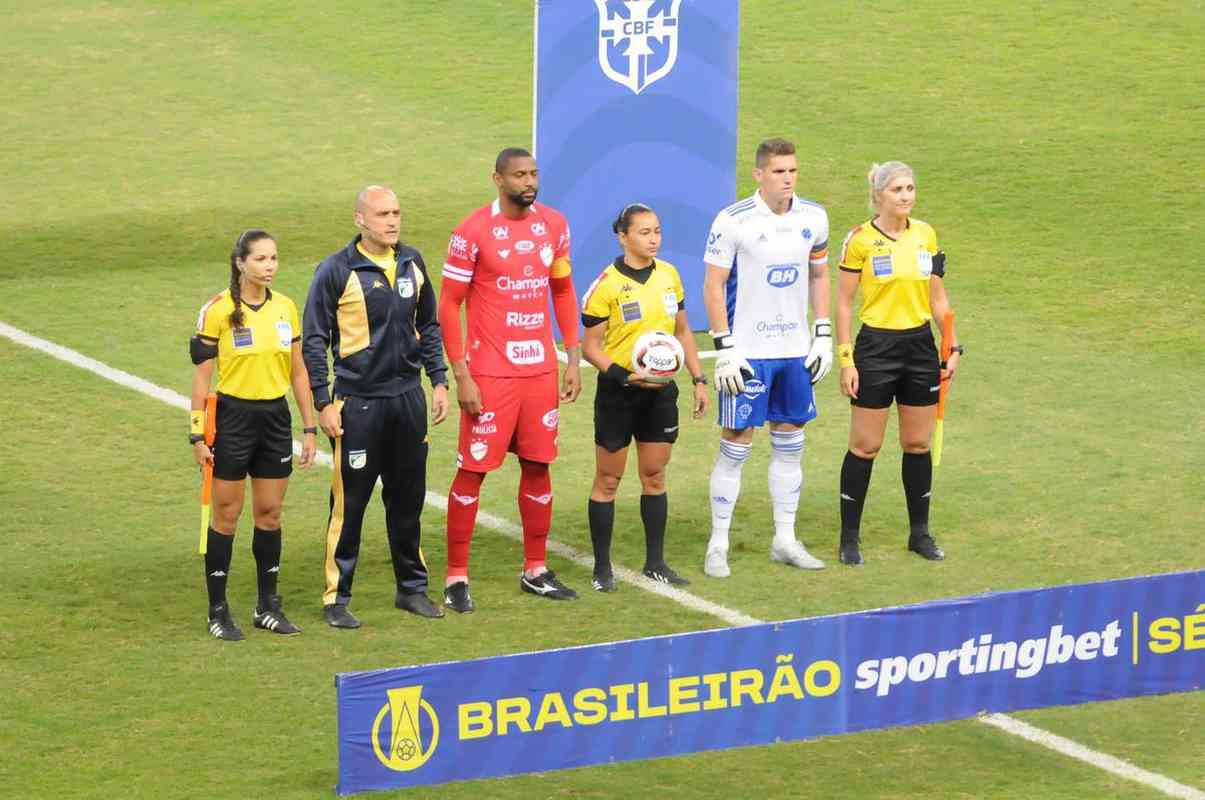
(654,508)
(602,520)
(217,565)
(855,480)
(917,472)
(265,545)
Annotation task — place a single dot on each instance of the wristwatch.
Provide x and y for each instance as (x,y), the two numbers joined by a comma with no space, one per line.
(700,380)
(959,349)
(193,438)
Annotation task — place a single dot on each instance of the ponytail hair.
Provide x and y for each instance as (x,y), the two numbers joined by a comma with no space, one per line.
(624,220)
(880,175)
(242,249)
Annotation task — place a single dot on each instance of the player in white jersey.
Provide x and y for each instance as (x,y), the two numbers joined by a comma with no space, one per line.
(767,257)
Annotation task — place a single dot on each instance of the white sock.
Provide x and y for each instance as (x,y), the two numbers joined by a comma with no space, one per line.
(725,488)
(786,480)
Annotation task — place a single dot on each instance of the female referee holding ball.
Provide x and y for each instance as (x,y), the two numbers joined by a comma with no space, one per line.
(895,260)
(252,335)
(635,295)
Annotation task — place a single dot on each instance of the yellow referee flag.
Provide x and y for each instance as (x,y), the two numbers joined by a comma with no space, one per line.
(211,432)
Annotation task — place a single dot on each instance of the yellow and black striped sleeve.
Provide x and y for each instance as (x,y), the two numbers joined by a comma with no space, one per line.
(853,251)
(203,346)
(596,306)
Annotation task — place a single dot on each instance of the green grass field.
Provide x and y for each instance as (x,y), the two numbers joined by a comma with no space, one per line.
(1059,155)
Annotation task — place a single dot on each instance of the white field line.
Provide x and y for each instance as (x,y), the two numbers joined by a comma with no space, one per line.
(509,529)
(484,519)
(1077,751)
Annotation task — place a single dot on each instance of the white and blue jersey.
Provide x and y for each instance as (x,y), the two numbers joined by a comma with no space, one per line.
(767,256)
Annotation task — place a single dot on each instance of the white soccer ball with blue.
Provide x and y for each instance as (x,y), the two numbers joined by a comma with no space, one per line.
(659,354)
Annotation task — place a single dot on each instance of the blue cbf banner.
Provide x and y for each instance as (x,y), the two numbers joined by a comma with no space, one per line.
(801,679)
(636,102)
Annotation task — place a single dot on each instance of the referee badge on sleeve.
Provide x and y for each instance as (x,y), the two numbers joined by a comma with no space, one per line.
(285,331)
(924,262)
(671,303)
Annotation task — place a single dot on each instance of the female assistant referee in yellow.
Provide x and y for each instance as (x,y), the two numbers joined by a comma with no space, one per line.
(252,335)
(895,260)
(635,295)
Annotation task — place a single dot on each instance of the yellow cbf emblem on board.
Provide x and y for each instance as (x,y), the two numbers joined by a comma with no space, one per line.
(405,711)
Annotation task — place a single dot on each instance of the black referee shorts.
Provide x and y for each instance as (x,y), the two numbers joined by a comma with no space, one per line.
(896,365)
(254,437)
(622,413)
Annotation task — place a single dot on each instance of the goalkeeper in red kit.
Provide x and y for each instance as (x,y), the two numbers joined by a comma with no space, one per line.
(503,261)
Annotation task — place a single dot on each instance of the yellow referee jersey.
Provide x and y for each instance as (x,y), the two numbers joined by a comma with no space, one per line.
(633,302)
(895,273)
(255,361)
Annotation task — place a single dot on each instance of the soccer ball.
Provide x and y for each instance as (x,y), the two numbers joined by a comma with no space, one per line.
(658,354)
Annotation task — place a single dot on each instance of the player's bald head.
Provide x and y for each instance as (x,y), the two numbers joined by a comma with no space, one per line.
(371,195)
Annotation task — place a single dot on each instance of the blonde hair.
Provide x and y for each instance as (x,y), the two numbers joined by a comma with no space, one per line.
(880,175)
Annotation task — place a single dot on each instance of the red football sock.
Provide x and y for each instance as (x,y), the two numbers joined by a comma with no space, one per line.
(535,509)
(463,502)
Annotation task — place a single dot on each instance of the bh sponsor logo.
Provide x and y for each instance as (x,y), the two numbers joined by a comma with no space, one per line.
(405,732)
(782,275)
(637,48)
(500,232)
(539,229)
(527,351)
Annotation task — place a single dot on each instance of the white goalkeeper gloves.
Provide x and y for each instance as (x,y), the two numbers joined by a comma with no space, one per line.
(820,357)
(730,365)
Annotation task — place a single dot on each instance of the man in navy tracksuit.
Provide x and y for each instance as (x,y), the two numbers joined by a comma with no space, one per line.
(371,304)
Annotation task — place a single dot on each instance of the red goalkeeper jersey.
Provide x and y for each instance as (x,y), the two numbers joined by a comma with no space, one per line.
(507,264)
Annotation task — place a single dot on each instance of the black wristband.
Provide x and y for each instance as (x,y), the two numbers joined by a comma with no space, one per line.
(310,430)
(723,341)
(193,438)
(701,380)
(617,373)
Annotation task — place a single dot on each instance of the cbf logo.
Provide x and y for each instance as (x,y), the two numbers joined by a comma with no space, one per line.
(403,748)
(637,46)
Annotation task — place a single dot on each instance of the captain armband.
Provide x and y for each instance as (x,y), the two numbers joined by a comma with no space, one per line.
(845,355)
(202,350)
